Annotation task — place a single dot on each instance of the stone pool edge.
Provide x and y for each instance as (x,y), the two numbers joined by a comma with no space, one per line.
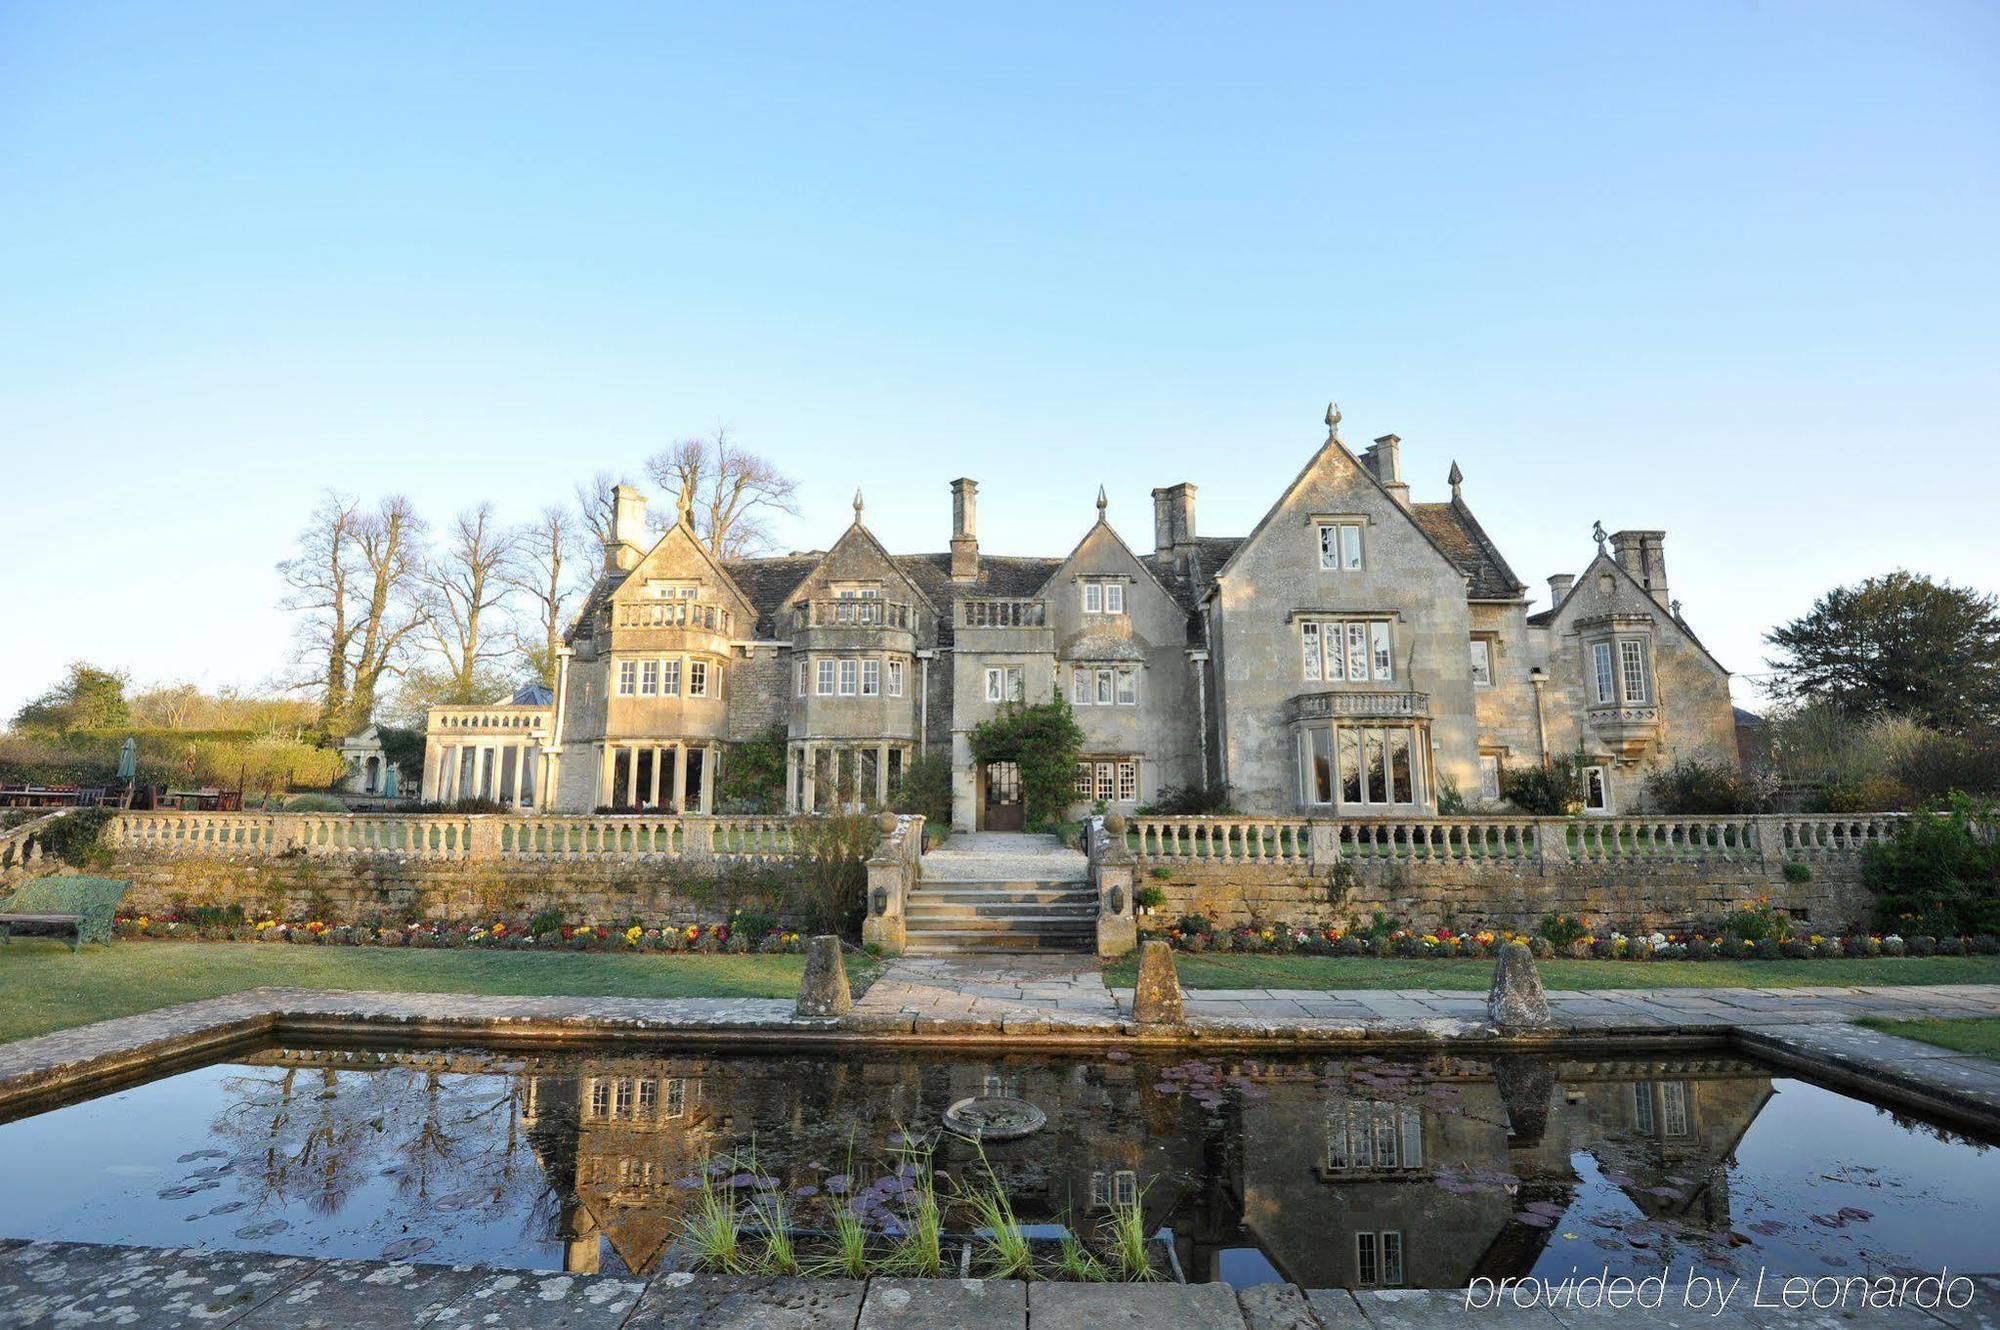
(108,1055)
(145,1286)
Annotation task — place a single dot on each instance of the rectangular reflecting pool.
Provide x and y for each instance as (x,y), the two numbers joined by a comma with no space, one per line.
(1328,1171)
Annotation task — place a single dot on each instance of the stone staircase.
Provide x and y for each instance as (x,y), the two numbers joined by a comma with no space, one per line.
(1002,891)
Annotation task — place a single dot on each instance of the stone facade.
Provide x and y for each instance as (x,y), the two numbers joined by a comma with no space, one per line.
(1358,654)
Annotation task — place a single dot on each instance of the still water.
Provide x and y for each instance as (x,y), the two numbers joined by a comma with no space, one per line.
(1327,1171)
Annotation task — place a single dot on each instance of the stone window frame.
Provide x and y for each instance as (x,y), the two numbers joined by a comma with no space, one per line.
(1606,801)
(1494,760)
(1378,645)
(671,672)
(699,678)
(1482,652)
(1378,1258)
(1307,753)
(1098,593)
(1608,669)
(1348,545)
(892,682)
(850,676)
(628,678)
(1011,686)
(1088,682)
(825,673)
(871,677)
(805,674)
(649,678)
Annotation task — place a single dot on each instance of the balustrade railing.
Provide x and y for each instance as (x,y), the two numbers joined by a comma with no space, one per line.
(23,847)
(668,613)
(854,612)
(1763,839)
(453,837)
(1002,614)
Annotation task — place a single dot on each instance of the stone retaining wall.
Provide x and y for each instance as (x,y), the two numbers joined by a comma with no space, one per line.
(1662,895)
(365,887)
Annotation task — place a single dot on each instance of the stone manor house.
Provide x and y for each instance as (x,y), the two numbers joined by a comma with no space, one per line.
(1357,654)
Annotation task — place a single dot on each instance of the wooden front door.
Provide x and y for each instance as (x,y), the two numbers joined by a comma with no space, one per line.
(1002,810)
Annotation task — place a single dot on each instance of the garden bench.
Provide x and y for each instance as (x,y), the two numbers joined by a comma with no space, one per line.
(84,906)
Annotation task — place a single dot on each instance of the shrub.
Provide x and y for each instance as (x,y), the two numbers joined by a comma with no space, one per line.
(1200,799)
(1943,870)
(1757,923)
(74,838)
(753,774)
(925,788)
(1766,949)
(1733,949)
(1864,946)
(1542,948)
(1690,785)
(1895,946)
(1921,945)
(1793,949)
(1951,946)
(1563,929)
(1986,944)
(831,862)
(1700,949)
(1043,740)
(1551,790)
(314,803)
(1796,871)
(1149,897)
(1191,924)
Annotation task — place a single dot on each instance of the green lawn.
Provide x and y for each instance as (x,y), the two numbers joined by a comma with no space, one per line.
(43,987)
(1979,1036)
(1241,970)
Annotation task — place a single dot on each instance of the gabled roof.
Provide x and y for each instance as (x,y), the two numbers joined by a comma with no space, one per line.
(1333,443)
(1453,529)
(1104,524)
(1549,616)
(859,531)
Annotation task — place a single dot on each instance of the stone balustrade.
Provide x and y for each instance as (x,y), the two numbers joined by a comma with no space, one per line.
(450,837)
(1002,614)
(854,612)
(22,848)
(670,612)
(1766,840)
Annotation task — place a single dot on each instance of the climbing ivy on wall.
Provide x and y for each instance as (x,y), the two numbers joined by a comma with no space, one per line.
(1044,741)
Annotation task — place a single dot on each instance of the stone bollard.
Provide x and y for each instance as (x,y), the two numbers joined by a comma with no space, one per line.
(1157,998)
(1516,1000)
(823,989)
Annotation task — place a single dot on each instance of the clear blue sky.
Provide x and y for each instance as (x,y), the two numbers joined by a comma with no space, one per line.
(1726,269)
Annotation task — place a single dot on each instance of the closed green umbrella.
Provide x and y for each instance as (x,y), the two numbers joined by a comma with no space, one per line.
(389,790)
(128,760)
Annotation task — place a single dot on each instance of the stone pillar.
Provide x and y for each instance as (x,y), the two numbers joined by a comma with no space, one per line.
(605,766)
(823,989)
(631,775)
(1156,1000)
(882,775)
(659,760)
(791,778)
(433,754)
(811,798)
(711,755)
(1325,836)
(448,778)
(676,785)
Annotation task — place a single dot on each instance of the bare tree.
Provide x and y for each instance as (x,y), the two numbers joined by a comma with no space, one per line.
(546,557)
(464,589)
(354,583)
(731,492)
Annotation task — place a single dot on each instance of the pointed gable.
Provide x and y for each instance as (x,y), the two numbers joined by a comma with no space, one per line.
(680,556)
(859,556)
(1334,481)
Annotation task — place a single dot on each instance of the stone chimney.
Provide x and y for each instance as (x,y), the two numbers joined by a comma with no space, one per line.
(1173,522)
(1559,585)
(628,530)
(1384,459)
(1643,554)
(964,530)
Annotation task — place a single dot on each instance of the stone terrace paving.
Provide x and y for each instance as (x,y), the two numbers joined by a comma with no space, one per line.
(70,1284)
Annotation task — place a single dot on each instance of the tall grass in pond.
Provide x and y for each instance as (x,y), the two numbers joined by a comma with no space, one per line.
(1002,1244)
(712,1229)
(920,1252)
(849,1259)
(1125,1230)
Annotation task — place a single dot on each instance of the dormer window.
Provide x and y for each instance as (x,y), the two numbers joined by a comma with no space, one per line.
(1340,546)
(1103,597)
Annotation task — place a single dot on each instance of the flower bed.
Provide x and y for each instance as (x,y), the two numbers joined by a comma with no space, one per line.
(1193,934)
(498,935)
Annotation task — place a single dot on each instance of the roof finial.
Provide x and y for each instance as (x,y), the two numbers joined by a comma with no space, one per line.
(857,505)
(1675,607)
(1101,502)
(684,503)
(1597,534)
(1456,478)
(1333,421)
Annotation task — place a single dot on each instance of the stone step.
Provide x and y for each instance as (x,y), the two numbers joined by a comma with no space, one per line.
(944,940)
(1004,893)
(935,912)
(994,923)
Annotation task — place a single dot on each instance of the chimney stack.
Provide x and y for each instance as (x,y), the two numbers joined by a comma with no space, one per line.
(628,530)
(1173,522)
(1385,459)
(1559,586)
(964,530)
(1642,554)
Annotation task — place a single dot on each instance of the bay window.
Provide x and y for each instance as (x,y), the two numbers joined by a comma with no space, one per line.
(1359,766)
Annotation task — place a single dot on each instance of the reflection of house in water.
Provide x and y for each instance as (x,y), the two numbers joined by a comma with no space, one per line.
(1328,1171)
